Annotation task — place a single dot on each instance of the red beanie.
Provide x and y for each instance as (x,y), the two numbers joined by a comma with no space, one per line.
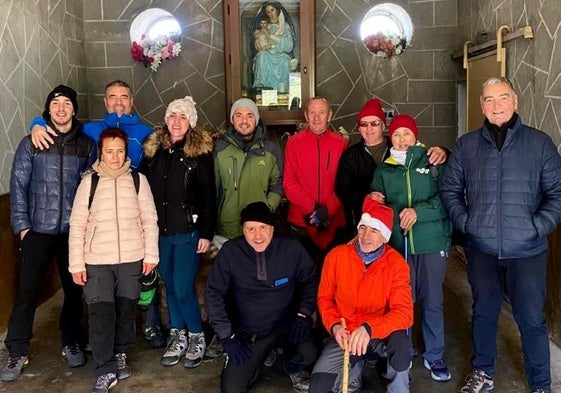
(373,107)
(377,216)
(404,121)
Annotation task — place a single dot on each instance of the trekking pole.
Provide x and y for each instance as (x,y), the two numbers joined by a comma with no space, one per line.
(345,387)
(405,234)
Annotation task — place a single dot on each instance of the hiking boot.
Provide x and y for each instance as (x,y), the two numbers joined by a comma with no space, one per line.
(104,383)
(438,370)
(541,391)
(271,358)
(478,382)
(123,370)
(12,369)
(214,350)
(196,351)
(300,381)
(74,355)
(177,346)
(154,337)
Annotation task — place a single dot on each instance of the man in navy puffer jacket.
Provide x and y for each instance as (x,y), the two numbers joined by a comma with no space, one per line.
(42,189)
(502,188)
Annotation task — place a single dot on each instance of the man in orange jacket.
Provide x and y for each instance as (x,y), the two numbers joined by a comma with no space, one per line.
(366,283)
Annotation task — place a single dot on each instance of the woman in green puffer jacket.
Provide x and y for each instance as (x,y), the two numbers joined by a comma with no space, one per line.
(409,184)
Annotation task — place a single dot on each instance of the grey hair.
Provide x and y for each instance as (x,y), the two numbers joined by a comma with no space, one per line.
(495,80)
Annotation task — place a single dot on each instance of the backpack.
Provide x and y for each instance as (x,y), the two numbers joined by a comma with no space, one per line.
(95,180)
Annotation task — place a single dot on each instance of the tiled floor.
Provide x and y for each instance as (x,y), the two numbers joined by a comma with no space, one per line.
(48,372)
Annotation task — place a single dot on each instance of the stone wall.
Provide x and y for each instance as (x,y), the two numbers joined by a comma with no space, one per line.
(420,82)
(41,46)
(197,71)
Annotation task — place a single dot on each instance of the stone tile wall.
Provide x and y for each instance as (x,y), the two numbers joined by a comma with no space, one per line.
(197,71)
(41,46)
(420,82)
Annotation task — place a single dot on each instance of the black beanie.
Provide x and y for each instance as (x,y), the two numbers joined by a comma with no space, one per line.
(258,211)
(60,90)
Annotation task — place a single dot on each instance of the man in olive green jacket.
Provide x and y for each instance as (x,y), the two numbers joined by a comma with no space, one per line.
(248,168)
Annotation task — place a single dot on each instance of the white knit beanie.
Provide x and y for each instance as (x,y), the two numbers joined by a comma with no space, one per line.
(244,103)
(185,106)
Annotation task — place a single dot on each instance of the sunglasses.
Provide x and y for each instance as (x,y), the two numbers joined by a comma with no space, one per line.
(373,123)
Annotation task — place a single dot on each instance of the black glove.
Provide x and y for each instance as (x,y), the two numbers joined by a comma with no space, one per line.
(237,351)
(300,328)
(320,214)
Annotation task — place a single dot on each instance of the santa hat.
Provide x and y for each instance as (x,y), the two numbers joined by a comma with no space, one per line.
(378,216)
(403,121)
(373,107)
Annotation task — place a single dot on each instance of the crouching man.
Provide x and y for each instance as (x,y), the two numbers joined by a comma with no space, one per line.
(366,285)
(261,293)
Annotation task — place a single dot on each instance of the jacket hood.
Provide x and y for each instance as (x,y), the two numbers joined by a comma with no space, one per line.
(198,142)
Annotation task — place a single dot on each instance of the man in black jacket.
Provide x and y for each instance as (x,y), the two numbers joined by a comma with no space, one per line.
(261,293)
(42,189)
(359,161)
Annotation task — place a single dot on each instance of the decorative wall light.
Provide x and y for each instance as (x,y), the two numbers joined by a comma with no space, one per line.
(155,37)
(386,30)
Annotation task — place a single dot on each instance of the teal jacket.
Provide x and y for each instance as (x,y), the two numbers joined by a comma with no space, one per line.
(415,185)
(245,173)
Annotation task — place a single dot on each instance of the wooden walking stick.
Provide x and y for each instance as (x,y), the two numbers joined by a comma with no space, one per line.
(345,387)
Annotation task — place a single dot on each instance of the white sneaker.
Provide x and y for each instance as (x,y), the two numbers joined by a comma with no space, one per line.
(196,350)
(177,346)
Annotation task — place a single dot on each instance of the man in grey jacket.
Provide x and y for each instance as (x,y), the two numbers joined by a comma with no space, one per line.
(502,188)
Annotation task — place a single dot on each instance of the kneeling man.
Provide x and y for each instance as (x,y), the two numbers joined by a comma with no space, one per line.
(261,293)
(366,285)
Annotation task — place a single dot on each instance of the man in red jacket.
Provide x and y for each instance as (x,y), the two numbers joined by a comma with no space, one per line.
(311,160)
(366,284)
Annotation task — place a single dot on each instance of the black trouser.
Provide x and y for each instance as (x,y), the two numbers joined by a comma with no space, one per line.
(37,252)
(111,295)
(237,379)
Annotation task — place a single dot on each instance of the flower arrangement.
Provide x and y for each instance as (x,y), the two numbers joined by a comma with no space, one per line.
(153,52)
(385,45)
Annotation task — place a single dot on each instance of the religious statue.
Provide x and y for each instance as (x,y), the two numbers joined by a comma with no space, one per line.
(274,43)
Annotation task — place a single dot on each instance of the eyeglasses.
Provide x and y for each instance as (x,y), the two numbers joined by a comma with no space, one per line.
(373,123)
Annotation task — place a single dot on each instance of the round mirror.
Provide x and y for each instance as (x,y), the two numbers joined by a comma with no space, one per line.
(386,30)
(155,35)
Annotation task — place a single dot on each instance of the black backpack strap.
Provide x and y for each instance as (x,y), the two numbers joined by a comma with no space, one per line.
(93,186)
(136,181)
(95,180)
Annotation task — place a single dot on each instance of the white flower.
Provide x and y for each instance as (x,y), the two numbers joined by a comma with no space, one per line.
(156,62)
(176,49)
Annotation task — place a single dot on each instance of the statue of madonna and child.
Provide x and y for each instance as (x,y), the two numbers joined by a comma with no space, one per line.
(273,34)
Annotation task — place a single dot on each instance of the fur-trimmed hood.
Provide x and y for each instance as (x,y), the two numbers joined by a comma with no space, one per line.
(198,142)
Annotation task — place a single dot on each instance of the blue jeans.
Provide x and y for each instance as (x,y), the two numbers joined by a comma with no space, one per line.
(427,277)
(524,281)
(179,263)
